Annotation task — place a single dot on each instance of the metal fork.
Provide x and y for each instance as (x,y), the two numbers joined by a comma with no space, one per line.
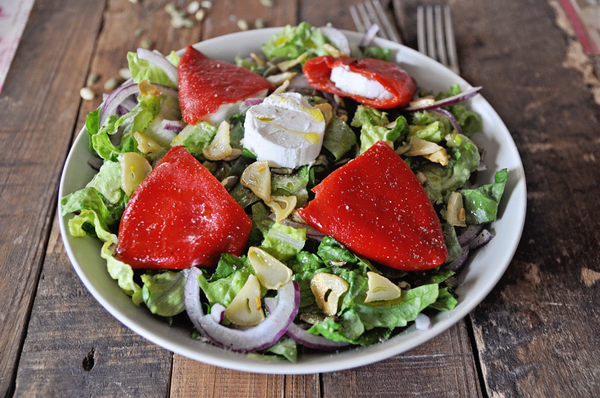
(371,13)
(435,36)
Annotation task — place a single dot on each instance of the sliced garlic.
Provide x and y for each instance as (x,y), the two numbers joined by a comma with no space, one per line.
(285,65)
(326,110)
(220,147)
(145,143)
(328,289)
(246,309)
(429,150)
(281,78)
(282,206)
(455,212)
(271,272)
(257,177)
(134,168)
(381,288)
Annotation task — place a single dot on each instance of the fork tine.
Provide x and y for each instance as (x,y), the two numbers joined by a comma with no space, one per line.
(451,43)
(421,30)
(357,22)
(430,33)
(362,11)
(386,22)
(439,35)
(375,18)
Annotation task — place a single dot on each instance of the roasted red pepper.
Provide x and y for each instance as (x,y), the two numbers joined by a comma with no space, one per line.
(376,206)
(181,216)
(205,84)
(392,77)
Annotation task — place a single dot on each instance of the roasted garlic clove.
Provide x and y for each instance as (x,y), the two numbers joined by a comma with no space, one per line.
(134,168)
(219,148)
(246,308)
(257,177)
(328,289)
(271,272)
(381,288)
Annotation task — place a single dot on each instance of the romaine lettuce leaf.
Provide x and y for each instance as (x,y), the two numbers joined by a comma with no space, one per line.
(481,204)
(142,69)
(339,137)
(195,138)
(292,42)
(163,293)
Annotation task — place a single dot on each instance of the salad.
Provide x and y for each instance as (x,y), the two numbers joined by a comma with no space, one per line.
(270,279)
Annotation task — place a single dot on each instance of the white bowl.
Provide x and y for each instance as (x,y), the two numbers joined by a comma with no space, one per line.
(477,279)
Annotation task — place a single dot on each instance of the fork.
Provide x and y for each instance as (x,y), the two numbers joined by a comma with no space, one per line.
(435,36)
(372,13)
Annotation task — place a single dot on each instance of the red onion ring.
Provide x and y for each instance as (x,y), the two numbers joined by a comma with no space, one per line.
(337,38)
(309,340)
(457,263)
(161,62)
(254,101)
(481,240)
(450,116)
(469,234)
(263,335)
(218,312)
(115,99)
(422,322)
(470,93)
(368,37)
(191,293)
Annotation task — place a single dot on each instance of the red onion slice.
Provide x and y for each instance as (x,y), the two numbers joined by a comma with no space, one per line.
(115,99)
(459,261)
(253,101)
(468,94)
(450,116)
(218,312)
(161,62)
(191,293)
(423,322)
(263,335)
(482,239)
(166,90)
(469,234)
(307,339)
(368,37)
(337,38)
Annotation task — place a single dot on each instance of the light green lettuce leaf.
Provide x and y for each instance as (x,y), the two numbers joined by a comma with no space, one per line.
(108,181)
(339,137)
(142,69)
(195,138)
(163,293)
(283,242)
(224,289)
(292,42)
(287,348)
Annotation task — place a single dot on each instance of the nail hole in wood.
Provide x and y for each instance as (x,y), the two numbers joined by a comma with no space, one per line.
(88,361)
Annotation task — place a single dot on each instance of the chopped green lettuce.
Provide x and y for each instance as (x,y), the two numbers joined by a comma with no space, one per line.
(292,42)
(163,293)
(481,204)
(142,69)
(195,138)
(339,137)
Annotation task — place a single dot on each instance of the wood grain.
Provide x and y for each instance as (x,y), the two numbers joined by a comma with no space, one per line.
(537,333)
(73,344)
(38,114)
(442,367)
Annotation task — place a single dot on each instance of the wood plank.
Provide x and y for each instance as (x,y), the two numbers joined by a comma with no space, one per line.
(73,345)
(442,367)
(190,378)
(38,115)
(537,332)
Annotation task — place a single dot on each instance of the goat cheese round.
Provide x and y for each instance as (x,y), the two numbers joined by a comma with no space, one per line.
(284,130)
(355,83)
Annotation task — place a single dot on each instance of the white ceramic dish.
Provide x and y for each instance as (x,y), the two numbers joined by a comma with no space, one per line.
(476,280)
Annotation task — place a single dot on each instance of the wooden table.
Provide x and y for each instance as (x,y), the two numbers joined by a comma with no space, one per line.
(536,334)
